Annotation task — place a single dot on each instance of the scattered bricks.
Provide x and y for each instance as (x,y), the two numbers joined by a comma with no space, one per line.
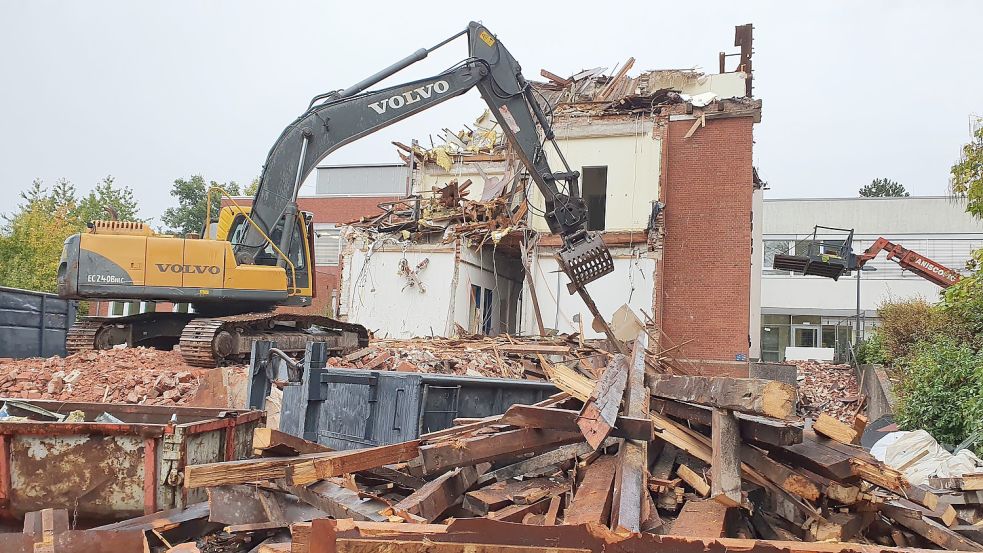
(406,367)
(56,385)
(377,360)
(133,397)
(169,395)
(185,376)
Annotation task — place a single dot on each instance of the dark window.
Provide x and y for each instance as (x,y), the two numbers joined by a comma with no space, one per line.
(595,187)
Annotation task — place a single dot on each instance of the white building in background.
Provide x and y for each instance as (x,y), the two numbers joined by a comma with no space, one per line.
(810,311)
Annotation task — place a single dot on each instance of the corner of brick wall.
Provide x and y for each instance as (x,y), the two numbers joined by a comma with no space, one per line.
(704,283)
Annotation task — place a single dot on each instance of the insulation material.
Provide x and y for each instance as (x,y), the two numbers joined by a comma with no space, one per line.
(904,451)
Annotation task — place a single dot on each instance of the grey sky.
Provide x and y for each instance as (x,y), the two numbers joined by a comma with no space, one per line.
(152,91)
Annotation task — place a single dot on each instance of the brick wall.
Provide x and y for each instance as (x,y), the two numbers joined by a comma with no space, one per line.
(704,280)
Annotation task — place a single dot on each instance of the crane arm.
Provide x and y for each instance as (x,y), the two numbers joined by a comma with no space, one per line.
(910,260)
(338,118)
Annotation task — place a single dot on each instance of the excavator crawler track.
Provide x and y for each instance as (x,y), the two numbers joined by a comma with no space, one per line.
(211,342)
(82,336)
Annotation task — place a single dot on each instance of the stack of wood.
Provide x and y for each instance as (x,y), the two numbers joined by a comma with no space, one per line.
(626,461)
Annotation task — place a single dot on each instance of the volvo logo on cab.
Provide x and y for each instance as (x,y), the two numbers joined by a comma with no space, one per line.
(410,97)
(189,269)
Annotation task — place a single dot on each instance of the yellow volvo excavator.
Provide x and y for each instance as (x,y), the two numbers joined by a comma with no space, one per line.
(260,257)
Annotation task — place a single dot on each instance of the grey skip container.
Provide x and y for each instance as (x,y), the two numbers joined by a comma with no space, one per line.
(33,324)
(355,408)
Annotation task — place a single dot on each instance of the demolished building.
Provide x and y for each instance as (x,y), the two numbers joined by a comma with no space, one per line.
(666,170)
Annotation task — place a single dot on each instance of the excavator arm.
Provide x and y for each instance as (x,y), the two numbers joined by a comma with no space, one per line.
(340,117)
(910,261)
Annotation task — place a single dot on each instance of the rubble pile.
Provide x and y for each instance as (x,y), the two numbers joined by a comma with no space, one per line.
(828,388)
(125,375)
(489,357)
(619,459)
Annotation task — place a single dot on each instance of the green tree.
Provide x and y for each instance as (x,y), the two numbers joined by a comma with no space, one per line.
(252,188)
(32,237)
(106,201)
(192,195)
(31,242)
(884,188)
(967,174)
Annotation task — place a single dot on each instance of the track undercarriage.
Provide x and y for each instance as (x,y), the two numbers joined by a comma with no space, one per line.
(215,341)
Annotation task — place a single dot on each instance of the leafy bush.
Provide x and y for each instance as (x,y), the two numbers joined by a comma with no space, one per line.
(963,303)
(908,322)
(941,390)
(871,351)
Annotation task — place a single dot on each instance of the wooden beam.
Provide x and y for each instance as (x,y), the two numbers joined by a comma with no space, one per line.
(517,512)
(351,461)
(930,530)
(538,462)
(704,518)
(438,495)
(555,78)
(242,504)
(631,481)
(725,466)
(273,443)
(754,429)
(840,527)
(501,494)
(747,395)
(528,416)
(600,412)
(244,471)
(694,480)
(592,500)
(789,480)
(478,449)
(337,501)
(836,430)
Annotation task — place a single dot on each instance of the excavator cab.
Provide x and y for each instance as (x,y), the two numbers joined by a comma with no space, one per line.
(232,224)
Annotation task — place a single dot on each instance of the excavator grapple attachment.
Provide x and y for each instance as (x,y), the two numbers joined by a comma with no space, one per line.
(586,260)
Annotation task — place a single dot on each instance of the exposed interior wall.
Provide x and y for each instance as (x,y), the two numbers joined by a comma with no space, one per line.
(632,156)
(724,85)
(493,272)
(377,297)
(704,295)
(430,175)
(631,283)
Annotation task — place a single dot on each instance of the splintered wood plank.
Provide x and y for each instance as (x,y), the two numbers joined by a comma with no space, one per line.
(567,379)
(592,499)
(725,466)
(818,458)
(754,429)
(438,495)
(789,480)
(500,494)
(478,449)
(600,412)
(662,469)
(840,527)
(549,418)
(930,530)
(747,395)
(694,480)
(337,501)
(539,506)
(538,462)
(631,480)
(272,442)
(836,430)
(246,470)
(704,518)
(351,461)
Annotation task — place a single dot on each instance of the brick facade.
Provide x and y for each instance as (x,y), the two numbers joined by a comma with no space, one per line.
(704,279)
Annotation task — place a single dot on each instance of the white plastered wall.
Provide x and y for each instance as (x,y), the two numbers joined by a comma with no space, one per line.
(632,156)
(631,283)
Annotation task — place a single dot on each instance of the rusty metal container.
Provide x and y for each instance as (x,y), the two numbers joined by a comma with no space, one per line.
(112,470)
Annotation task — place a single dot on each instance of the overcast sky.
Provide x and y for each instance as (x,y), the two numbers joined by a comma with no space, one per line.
(153,91)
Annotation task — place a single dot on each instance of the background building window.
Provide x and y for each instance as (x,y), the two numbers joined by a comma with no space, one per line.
(327,244)
(771,249)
